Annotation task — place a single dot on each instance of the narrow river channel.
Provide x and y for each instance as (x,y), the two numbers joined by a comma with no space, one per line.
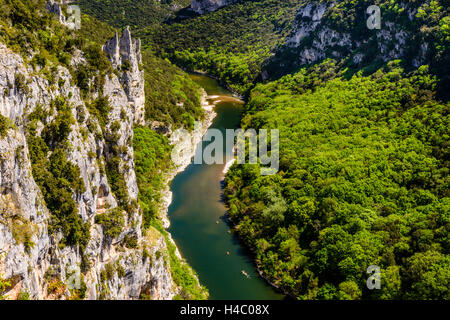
(197,218)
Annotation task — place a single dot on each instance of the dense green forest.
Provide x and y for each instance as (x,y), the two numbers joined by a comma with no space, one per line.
(166,88)
(134,13)
(364,180)
(152,151)
(364,169)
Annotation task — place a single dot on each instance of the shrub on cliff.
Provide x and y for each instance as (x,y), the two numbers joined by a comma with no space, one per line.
(112,222)
(4,126)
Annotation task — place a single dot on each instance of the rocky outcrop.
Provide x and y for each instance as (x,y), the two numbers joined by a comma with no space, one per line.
(307,20)
(317,35)
(33,258)
(205,6)
(125,56)
(22,213)
(55,7)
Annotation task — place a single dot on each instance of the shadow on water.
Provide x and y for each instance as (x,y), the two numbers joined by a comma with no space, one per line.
(199,224)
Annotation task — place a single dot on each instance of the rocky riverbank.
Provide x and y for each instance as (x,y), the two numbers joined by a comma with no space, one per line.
(186,145)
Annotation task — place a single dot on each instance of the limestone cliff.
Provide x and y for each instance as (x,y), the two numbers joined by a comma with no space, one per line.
(321,31)
(34,256)
(125,56)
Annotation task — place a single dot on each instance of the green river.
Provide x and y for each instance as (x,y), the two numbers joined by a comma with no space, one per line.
(198,225)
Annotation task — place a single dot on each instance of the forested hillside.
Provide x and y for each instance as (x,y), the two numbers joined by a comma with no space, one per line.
(137,13)
(249,40)
(414,31)
(167,88)
(230,43)
(364,157)
(364,180)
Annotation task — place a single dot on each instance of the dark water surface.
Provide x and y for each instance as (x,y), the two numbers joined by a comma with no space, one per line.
(196,209)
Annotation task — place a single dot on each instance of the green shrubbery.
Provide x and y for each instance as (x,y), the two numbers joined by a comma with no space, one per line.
(118,184)
(4,126)
(24,295)
(107,273)
(4,285)
(130,241)
(57,177)
(94,31)
(22,232)
(100,108)
(20,83)
(59,129)
(112,221)
(98,68)
(152,159)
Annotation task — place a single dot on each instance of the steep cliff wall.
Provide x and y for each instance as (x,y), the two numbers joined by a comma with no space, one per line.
(338,30)
(37,255)
(125,56)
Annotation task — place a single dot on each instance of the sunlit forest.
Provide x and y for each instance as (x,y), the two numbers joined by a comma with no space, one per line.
(364,180)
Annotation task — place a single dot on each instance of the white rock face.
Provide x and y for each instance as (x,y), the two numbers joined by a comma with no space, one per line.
(32,264)
(125,56)
(205,6)
(307,19)
(314,38)
(309,22)
(54,7)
